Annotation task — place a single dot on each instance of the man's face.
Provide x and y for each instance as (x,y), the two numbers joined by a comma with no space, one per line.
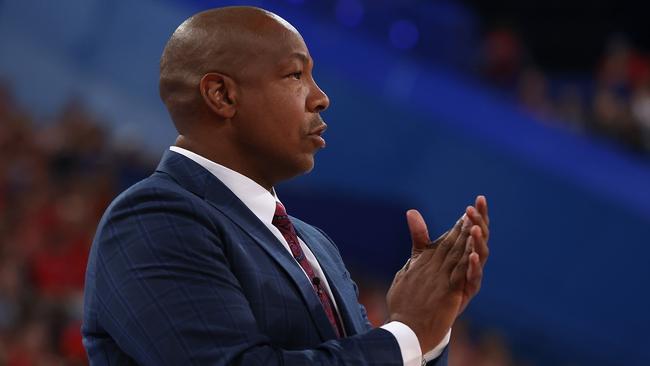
(277,120)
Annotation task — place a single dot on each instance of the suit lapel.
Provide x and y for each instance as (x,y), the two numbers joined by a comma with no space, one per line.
(346,298)
(195,178)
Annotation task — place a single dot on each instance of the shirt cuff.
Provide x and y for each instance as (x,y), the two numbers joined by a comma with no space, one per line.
(408,342)
(437,350)
(409,345)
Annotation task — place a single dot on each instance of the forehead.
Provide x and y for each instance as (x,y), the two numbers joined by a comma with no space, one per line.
(278,48)
(265,44)
(286,43)
(283,23)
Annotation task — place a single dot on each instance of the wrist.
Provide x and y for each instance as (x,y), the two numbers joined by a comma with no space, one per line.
(428,336)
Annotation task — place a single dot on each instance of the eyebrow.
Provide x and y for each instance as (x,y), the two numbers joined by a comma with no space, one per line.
(303,57)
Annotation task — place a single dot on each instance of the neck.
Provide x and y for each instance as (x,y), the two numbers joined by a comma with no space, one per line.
(228,159)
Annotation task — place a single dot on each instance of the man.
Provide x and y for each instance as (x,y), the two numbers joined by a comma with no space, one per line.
(199,264)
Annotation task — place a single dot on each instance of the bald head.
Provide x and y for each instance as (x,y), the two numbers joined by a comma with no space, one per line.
(225,40)
(239,86)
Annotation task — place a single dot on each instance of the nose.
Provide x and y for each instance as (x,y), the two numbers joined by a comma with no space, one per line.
(318,100)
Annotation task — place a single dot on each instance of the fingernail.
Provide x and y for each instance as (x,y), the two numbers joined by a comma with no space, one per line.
(467,223)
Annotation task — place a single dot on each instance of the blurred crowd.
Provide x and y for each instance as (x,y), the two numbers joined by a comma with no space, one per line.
(612,101)
(56,179)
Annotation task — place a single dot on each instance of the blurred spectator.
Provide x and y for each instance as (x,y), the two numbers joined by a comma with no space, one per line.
(503,54)
(641,112)
(612,117)
(11,293)
(534,95)
(31,346)
(613,74)
(463,351)
(493,351)
(571,107)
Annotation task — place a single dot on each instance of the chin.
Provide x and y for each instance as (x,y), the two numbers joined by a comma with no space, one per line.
(297,168)
(305,166)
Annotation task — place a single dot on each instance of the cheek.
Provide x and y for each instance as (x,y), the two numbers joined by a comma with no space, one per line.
(278,114)
(290,92)
(289,111)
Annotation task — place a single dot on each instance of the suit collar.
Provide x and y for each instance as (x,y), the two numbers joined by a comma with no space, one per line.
(193,177)
(260,201)
(338,279)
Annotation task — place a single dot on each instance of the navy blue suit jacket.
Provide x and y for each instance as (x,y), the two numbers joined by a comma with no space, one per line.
(181,272)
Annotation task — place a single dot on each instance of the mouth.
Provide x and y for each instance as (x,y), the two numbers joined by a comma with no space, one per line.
(319,130)
(316,133)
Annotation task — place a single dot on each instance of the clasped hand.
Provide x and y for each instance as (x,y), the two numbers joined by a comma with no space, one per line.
(442,276)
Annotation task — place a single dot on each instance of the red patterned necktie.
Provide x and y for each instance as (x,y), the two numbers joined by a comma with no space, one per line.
(282,222)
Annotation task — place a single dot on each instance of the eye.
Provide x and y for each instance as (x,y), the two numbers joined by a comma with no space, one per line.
(296,75)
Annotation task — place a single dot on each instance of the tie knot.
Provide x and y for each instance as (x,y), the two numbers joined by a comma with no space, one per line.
(280,211)
(281,219)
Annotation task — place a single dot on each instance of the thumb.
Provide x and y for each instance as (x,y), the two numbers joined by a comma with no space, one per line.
(419,231)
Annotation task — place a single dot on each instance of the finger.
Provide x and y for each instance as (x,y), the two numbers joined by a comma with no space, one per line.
(419,262)
(474,275)
(482,207)
(445,245)
(480,244)
(455,231)
(450,235)
(406,265)
(477,219)
(458,275)
(442,237)
(455,253)
(419,231)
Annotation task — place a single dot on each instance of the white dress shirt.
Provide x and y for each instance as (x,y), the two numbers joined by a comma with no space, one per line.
(262,203)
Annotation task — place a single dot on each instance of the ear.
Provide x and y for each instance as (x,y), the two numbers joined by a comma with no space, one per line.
(219,94)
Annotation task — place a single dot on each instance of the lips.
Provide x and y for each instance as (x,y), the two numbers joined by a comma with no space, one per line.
(316,133)
(319,130)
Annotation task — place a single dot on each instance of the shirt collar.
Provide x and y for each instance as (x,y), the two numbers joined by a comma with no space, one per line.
(260,201)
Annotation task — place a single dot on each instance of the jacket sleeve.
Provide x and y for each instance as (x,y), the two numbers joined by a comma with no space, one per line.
(159,283)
